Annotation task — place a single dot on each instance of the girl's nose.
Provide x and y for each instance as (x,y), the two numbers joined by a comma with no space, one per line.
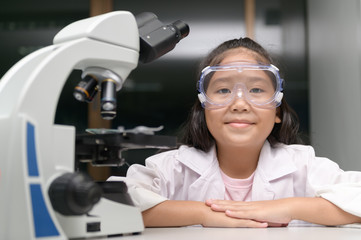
(240,103)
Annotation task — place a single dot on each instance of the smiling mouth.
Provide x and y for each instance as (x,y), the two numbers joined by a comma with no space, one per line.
(240,124)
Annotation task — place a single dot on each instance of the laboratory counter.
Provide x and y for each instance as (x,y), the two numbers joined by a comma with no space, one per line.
(294,233)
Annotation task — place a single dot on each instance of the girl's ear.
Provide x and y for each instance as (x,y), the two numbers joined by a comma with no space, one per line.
(278,115)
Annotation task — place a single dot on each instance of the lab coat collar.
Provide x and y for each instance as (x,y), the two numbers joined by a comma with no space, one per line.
(274,162)
(197,160)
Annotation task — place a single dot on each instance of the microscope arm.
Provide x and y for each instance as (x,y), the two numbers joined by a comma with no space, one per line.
(29,139)
(34,152)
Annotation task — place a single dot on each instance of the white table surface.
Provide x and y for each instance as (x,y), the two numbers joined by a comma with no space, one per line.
(293,233)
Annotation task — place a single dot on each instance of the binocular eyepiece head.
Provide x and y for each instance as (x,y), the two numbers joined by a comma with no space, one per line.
(156,38)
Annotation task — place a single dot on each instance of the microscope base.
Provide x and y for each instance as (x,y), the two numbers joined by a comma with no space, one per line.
(106,218)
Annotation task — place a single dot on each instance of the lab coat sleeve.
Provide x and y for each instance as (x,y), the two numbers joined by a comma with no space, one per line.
(346,196)
(141,196)
(149,185)
(342,188)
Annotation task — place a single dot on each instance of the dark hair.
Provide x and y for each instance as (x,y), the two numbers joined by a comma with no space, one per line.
(195,132)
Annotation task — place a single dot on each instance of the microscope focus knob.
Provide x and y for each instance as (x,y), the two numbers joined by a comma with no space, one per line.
(74,194)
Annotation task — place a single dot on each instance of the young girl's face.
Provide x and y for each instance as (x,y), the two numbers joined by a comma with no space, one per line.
(240,124)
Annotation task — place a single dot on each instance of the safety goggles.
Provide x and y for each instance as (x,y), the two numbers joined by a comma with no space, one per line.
(259,85)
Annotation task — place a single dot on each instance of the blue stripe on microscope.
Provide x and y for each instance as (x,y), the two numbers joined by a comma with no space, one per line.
(31,151)
(43,223)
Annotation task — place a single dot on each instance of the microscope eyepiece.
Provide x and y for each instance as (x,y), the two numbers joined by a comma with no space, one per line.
(182,29)
(86,89)
(156,38)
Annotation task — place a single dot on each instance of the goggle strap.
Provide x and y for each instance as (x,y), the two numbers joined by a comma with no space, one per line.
(201,98)
(279,97)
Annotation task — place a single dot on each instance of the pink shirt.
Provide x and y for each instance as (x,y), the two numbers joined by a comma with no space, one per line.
(237,189)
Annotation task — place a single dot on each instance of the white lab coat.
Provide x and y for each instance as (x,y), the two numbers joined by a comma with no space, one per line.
(283,171)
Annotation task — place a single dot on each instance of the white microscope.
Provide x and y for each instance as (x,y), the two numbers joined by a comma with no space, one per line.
(41,196)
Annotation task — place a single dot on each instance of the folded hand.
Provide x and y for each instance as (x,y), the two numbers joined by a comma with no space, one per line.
(273,212)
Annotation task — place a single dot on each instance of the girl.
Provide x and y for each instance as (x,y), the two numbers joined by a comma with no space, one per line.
(240,165)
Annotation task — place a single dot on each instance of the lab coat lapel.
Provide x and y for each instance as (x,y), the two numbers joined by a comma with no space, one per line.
(273,178)
(208,183)
(197,160)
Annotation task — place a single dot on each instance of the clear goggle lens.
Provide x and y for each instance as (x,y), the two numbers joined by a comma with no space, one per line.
(259,85)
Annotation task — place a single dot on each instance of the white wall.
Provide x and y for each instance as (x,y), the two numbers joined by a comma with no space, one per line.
(334,40)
